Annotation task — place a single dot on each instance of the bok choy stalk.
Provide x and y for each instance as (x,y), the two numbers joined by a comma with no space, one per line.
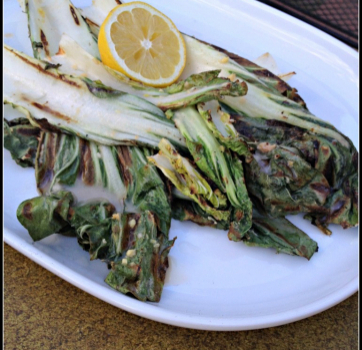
(95,14)
(216,162)
(131,244)
(99,8)
(97,112)
(220,166)
(287,170)
(82,107)
(268,97)
(62,158)
(74,60)
(49,19)
(203,57)
(189,181)
(263,100)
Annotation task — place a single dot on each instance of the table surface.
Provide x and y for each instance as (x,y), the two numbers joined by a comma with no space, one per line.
(42,311)
(336,17)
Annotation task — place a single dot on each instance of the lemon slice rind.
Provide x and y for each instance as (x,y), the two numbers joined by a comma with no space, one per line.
(119,63)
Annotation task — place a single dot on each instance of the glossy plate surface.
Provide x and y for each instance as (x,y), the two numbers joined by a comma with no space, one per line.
(212,283)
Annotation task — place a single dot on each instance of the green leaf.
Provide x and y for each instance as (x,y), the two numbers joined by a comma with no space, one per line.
(280,234)
(145,188)
(45,215)
(21,139)
(142,269)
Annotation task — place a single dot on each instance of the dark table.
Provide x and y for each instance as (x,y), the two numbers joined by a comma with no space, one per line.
(335,17)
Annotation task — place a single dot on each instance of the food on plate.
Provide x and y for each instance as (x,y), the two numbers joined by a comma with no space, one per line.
(225,143)
(131,244)
(45,28)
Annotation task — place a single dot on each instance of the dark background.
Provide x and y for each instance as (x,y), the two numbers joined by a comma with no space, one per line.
(338,18)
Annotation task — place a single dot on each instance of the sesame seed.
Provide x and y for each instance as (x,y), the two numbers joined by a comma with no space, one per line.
(132,223)
(224,60)
(232,77)
(131,253)
(116,217)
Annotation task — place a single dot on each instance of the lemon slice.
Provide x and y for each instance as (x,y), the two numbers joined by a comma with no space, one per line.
(142,43)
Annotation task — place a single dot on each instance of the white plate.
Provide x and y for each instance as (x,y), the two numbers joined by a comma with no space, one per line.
(212,283)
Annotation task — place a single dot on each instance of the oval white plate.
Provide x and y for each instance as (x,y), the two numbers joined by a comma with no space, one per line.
(212,283)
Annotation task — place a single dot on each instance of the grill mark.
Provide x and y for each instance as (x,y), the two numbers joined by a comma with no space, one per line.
(125,161)
(29,131)
(329,172)
(46,160)
(49,72)
(275,232)
(45,43)
(355,160)
(75,17)
(27,213)
(337,207)
(91,23)
(322,189)
(87,167)
(239,214)
(234,234)
(51,111)
(128,241)
(45,125)
(280,85)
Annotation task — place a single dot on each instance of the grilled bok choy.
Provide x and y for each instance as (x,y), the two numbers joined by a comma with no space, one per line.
(268,96)
(131,244)
(49,19)
(220,165)
(135,243)
(145,191)
(299,162)
(74,60)
(61,159)
(92,110)
(295,162)
(98,112)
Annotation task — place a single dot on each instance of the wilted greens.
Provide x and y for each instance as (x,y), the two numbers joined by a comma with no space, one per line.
(131,244)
